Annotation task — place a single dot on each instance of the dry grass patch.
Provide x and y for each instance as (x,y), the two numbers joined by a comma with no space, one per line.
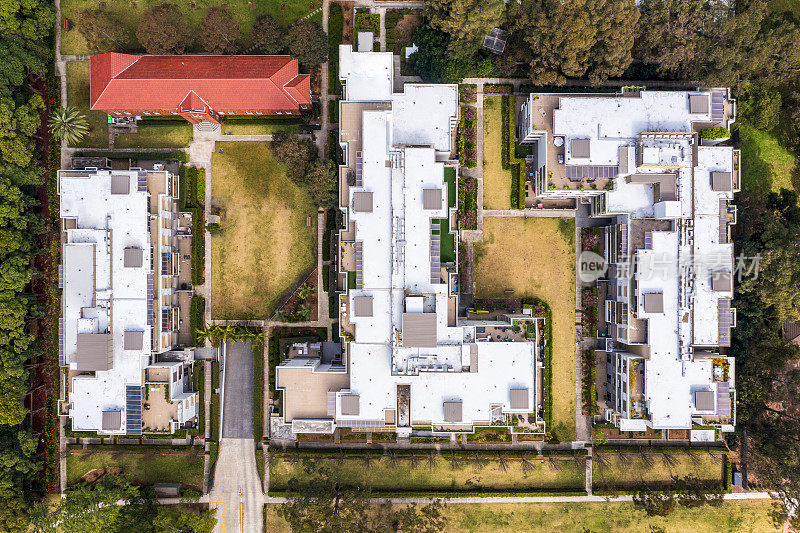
(536,257)
(496,181)
(627,470)
(732,517)
(265,246)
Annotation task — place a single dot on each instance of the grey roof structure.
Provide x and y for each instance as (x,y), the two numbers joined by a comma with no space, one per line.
(112,420)
(721,181)
(519,398)
(133,257)
(94,351)
(133,340)
(653,302)
(698,103)
(120,184)
(362,306)
(419,330)
(704,400)
(721,281)
(432,198)
(667,184)
(362,202)
(350,404)
(452,411)
(580,148)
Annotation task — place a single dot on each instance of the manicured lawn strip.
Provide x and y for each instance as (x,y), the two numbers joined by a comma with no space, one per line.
(448,246)
(766,165)
(157,134)
(198,246)
(467,476)
(259,126)
(78,97)
(243,12)
(215,417)
(335,28)
(620,517)
(627,470)
(510,162)
(197,316)
(450,179)
(258,390)
(265,245)
(496,180)
(146,468)
(198,380)
(535,258)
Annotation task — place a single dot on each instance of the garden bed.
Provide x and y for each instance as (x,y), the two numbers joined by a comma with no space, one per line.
(467,203)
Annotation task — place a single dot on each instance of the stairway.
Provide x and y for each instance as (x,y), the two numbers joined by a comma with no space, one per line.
(205,125)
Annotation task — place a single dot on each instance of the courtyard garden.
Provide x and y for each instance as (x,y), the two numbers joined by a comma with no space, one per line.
(78,98)
(534,258)
(265,244)
(496,180)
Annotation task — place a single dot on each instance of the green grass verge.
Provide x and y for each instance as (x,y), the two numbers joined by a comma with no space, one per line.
(78,97)
(259,126)
(146,468)
(199,382)
(258,391)
(197,316)
(766,165)
(160,133)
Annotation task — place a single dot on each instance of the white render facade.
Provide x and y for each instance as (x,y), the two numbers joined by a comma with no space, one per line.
(662,195)
(407,359)
(118,275)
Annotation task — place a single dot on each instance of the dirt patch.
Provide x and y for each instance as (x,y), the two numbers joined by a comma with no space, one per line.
(95,475)
(349,20)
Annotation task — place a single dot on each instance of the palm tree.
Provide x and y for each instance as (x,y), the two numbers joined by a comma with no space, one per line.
(553,463)
(527,466)
(67,124)
(204,335)
(432,458)
(478,460)
(413,461)
(454,461)
(502,462)
(392,458)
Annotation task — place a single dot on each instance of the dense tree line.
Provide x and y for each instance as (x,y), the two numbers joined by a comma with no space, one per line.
(304,168)
(716,43)
(25,39)
(165,30)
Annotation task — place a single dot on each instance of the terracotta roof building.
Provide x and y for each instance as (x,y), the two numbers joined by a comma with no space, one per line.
(197,87)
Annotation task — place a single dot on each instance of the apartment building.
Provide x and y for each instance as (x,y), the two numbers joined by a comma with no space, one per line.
(661,191)
(408,360)
(120,306)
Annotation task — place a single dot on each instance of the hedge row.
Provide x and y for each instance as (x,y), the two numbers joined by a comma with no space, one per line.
(197,313)
(467,133)
(510,161)
(467,203)
(548,363)
(333,452)
(335,29)
(484,493)
(199,246)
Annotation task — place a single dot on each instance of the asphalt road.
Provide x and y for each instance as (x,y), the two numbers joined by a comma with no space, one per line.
(237,494)
(237,420)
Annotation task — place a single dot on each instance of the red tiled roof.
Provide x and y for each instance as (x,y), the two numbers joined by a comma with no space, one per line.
(225,83)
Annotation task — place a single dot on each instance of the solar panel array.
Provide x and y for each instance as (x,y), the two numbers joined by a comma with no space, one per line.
(149,298)
(495,42)
(133,410)
(360,423)
(61,359)
(141,182)
(359,171)
(436,250)
(579,172)
(717,106)
(359,253)
(723,221)
(724,311)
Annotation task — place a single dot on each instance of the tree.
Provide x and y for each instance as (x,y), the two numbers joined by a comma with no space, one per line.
(102,32)
(653,503)
(323,502)
(164,30)
(572,40)
(19,123)
(693,492)
(67,124)
(320,181)
(466,22)
(267,35)
(219,33)
(14,515)
(86,508)
(308,43)
(294,152)
(433,63)
(169,520)
(760,105)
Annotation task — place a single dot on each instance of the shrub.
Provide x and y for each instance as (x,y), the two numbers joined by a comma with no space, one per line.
(197,313)
(714,133)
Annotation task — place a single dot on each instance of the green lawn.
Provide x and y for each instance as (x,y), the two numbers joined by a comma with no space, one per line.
(127,14)
(467,476)
(732,517)
(157,134)
(536,257)
(265,245)
(78,97)
(146,468)
(258,126)
(766,165)
(614,470)
(496,181)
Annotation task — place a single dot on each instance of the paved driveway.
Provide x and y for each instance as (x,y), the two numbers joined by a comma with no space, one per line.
(237,420)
